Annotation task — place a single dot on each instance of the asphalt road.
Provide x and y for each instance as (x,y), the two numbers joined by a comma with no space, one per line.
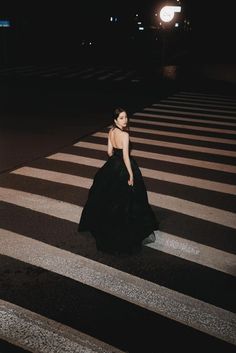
(180,291)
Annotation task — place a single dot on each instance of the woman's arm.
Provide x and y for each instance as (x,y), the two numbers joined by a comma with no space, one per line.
(126,154)
(109,146)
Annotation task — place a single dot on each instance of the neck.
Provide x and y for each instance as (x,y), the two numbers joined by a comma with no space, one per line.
(119,127)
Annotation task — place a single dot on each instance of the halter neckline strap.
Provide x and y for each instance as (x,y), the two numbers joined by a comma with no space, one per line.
(119,128)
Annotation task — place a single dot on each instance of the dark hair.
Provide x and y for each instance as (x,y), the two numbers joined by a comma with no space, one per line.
(116,113)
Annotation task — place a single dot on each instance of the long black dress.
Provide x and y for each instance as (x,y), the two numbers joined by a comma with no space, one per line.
(118,215)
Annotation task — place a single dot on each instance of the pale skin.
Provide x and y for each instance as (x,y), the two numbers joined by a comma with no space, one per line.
(120,139)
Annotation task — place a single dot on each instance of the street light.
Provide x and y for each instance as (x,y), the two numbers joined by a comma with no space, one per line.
(167,14)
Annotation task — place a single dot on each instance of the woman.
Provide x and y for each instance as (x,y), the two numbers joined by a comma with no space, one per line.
(117,212)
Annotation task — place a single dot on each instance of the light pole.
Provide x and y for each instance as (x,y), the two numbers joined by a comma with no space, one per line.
(167,14)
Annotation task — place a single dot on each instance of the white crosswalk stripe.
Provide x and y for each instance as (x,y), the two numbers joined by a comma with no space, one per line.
(205,95)
(191,113)
(166,157)
(25,329)
(99,73)
(183,103)
(150,173)
(165,201)
(169,117)
(164,301)
(42,204)
(197,109)
(206,98)
(171,244)
(186,136)
(198,100)
(180,146)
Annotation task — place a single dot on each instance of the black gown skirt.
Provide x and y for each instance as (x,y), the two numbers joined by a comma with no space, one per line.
(116,214)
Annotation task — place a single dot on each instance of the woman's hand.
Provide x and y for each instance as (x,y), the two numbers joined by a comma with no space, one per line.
(131,181)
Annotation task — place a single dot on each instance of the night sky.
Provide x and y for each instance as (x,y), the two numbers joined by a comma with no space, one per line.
(57,28)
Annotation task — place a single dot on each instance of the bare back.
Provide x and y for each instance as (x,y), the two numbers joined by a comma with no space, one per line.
(116,137)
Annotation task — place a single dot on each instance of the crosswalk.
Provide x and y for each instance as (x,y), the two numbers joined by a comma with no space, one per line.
(99,73)
(76,299)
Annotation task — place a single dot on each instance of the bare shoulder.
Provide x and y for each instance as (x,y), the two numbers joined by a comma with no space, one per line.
(110,131)
(125,136)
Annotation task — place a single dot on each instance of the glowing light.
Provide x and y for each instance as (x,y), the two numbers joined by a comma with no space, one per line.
(113,19)
(4,23)
(167,12)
